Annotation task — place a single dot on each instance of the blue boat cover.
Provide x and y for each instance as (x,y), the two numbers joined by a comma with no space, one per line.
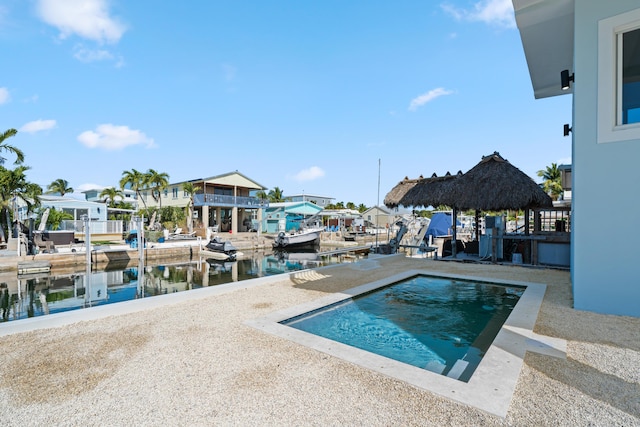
(440,225)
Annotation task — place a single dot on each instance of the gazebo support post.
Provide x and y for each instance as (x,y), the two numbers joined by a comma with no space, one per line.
(527,224)
(454,245)
(477,219)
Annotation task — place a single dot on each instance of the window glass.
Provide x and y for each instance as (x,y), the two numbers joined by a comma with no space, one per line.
(631,77)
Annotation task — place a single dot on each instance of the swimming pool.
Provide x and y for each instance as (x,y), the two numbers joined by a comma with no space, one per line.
(492,384)
(440,324)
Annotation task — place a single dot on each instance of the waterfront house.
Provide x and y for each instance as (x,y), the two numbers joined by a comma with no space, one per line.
(321,201)
(128,196)
(223,201)
(287,216)
(591,49)
(379,216)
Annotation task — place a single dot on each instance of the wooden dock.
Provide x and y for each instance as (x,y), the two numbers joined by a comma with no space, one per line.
(354,249)
(31,267)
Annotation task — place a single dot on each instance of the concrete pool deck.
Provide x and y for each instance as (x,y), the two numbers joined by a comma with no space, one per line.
(195,361)
(492,384)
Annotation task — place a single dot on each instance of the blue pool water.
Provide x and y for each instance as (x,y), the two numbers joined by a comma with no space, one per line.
(439,324)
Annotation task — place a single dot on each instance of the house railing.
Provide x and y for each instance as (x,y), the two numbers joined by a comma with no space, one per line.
(95,227)
(230,201)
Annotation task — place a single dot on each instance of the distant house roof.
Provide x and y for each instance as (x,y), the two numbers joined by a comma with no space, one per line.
(298,208)
(67,201)
(310,195)
(231,178)
(380,208)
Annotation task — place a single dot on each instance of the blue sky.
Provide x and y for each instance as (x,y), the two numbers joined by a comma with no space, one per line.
(303,95)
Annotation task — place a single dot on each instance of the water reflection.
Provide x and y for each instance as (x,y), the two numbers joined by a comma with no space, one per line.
(40,294)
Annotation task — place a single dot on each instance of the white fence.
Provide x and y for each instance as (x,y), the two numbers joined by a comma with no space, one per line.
(95,227)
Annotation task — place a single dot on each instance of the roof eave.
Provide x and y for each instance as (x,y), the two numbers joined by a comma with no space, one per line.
(546,30)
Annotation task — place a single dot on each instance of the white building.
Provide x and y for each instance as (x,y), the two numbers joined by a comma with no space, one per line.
(321,201)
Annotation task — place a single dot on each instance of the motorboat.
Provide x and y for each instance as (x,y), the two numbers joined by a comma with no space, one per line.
(220,249)
(305,238)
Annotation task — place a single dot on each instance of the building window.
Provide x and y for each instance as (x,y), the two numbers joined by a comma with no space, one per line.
(629,77)
(619,77)
(174,192)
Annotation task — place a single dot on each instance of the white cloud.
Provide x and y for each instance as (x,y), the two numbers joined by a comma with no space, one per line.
(88,186)
(88,19)
(38,125)
(84,54)
(428,97)
(314,172)
(492,12)
(111,137)
(4,95)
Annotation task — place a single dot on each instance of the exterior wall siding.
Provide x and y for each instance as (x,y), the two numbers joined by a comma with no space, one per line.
(605,178)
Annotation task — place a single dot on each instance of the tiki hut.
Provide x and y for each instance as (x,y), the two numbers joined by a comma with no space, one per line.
(433,191)
(393,199)
(494,184)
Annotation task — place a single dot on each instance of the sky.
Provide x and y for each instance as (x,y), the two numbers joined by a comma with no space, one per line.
(327,97)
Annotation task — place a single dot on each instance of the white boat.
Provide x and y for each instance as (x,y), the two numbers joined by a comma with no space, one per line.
(306,238)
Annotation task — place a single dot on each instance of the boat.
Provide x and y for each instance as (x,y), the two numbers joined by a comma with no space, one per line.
(300,255)
(305,238)
(220,266)
(220,250)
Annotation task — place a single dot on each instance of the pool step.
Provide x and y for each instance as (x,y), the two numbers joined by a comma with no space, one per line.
(435,366)
(458,369)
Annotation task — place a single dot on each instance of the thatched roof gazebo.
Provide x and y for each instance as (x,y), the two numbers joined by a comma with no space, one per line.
(394,198)
(493,184)
(433,191)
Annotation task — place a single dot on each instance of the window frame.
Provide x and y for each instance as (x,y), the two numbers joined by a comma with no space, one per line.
(609,101)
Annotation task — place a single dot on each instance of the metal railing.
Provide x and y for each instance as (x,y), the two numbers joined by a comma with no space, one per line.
(229,201)
(95,227)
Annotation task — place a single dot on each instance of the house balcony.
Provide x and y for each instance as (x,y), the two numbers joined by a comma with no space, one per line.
(219,200)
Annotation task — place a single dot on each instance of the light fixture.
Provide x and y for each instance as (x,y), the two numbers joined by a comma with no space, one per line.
(567,129)
(565,78)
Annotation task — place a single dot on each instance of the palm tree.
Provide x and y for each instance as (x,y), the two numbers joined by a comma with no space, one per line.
(275,195)
(551,180)
(110,193)
(13,183)
(351,205)
(261,194)
(157,181)
(190,190)
(136,181)
(362,207)
(59,186)
(10,148)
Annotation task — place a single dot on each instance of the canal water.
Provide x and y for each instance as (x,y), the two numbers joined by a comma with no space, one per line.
(42,294)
